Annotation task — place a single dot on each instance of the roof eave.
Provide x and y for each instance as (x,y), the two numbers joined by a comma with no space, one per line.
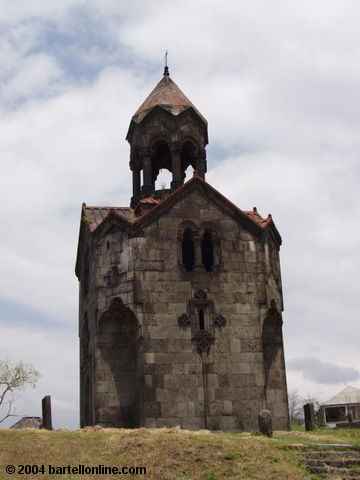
(80,242)
(134,122)
(167,203)
(112,217)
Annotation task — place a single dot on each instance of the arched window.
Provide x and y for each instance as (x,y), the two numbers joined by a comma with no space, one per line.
(207,250)
(188,250)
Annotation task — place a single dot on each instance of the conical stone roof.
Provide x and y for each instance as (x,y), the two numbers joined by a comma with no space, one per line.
(168,96)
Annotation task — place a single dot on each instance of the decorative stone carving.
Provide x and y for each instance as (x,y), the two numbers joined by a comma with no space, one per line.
(203,340)
(220,321)
(265,423)
(184,320)
(201,294)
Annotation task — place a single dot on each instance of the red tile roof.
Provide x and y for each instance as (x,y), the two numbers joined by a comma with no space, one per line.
(256,218)
(96,215)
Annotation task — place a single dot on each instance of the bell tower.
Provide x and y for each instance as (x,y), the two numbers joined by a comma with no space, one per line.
(180,294)
(166,132)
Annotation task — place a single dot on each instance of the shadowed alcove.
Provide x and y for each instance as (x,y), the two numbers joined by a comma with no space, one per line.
(118,376)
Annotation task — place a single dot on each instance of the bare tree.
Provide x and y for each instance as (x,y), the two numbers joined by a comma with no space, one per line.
(310,399)
(296,413)
(296,406)
(13,378)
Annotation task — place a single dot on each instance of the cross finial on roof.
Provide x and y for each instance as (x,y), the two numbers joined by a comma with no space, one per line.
(166,68)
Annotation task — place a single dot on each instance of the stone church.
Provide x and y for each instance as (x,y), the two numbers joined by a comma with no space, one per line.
(180,293)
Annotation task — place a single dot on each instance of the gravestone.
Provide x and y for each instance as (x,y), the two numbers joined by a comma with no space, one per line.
(46,413)
(265,423)
(309,413)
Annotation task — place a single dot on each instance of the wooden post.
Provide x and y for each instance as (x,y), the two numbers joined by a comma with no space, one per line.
(46,413)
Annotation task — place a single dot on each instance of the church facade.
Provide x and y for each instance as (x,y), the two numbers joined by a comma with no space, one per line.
(180,293)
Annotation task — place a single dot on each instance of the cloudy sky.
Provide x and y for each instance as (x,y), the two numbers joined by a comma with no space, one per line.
(278,82)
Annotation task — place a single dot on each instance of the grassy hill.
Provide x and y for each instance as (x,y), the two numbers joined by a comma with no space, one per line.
(167,454)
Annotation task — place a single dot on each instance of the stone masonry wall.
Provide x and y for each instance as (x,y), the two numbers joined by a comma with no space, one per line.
(224,389)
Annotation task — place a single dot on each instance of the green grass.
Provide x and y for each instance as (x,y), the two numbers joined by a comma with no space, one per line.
(167,454)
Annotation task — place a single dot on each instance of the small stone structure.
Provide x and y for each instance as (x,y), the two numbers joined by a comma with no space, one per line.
(180,293)
(46,412)
(265,423)
(309,415)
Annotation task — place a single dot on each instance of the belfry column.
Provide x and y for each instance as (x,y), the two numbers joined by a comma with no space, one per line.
(198,265)
(146,161)
(176,166)
(201,163)
(136,181)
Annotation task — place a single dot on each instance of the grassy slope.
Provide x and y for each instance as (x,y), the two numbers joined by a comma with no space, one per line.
(167,454)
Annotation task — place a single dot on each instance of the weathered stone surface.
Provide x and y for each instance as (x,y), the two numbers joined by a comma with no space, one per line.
(265,423)
(46,413)
(310,418)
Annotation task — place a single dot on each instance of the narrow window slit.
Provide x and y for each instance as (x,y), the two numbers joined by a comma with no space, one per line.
(201,320)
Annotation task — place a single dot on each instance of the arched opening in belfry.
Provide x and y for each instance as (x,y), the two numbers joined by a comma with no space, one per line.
(207,250)
(189,172)
(163,180)
(160,162)
(118,377)
(188,250)
(188,158)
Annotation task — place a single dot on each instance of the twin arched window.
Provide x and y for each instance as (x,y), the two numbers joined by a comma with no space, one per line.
(207,250)
(189,250)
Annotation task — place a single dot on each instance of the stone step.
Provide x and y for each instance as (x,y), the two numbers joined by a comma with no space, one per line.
(348,463)
(327,454)
(336,471)
(328,446)
(331,459)
(336,447)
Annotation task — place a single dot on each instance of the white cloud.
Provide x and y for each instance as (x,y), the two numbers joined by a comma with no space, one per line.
(57,154)
(34,75)
(15,42)
(323,372)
